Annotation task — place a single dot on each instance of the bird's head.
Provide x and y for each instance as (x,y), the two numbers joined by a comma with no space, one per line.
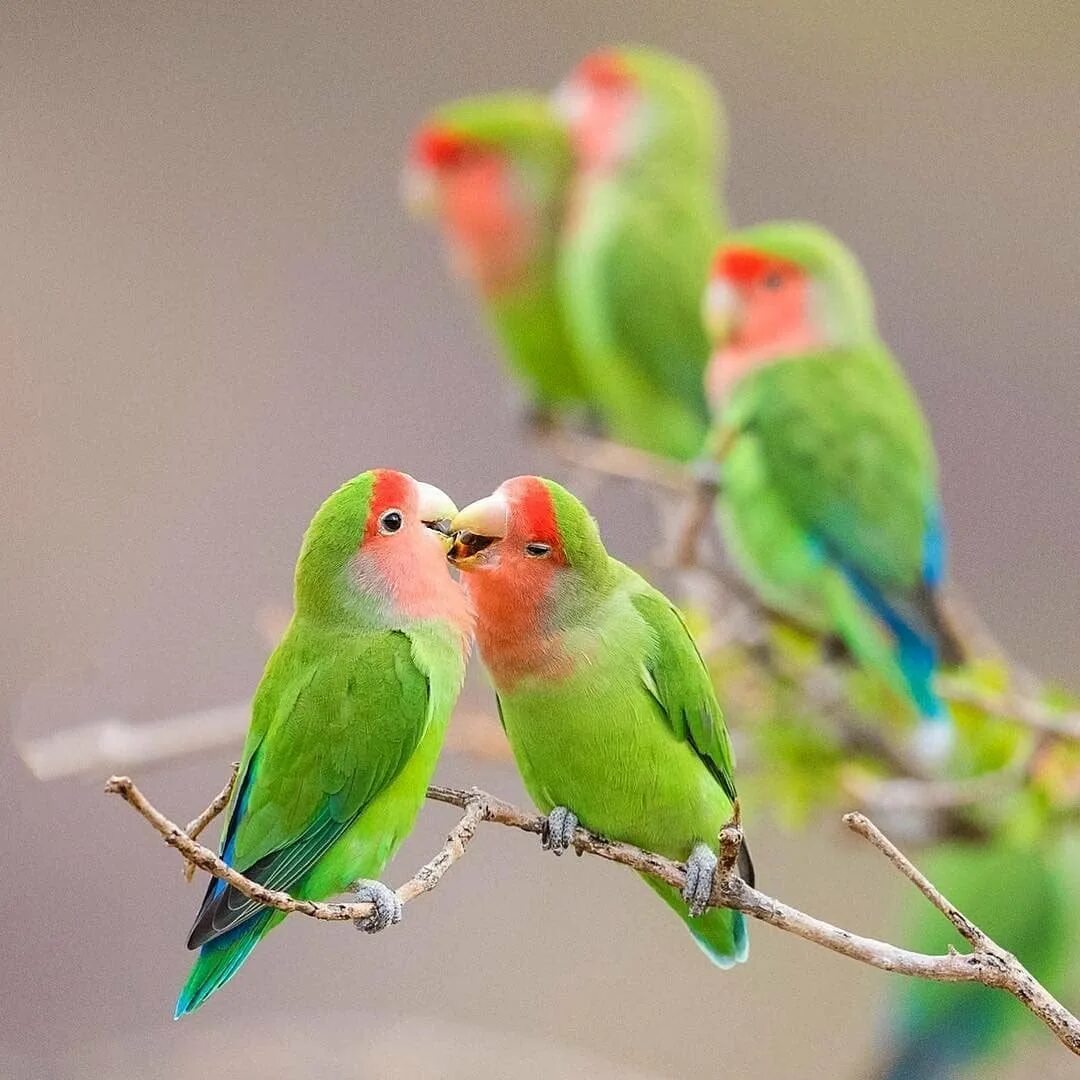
(782,290)
(376,548)
(619,103)
(492,172)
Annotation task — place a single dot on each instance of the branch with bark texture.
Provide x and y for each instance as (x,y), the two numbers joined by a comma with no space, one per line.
(424,880)
(987,963)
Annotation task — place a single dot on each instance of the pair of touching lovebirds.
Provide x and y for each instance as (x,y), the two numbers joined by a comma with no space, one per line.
(602,693)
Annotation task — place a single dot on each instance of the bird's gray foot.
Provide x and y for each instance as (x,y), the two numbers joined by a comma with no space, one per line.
(387,906)
(558,831)
(700,868)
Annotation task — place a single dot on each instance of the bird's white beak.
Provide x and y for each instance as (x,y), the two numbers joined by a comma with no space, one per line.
(435,507)
(476,528)
(419,190)
(720,310)
(570,102)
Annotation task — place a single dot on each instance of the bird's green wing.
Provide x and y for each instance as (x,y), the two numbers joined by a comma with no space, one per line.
(845,446)
(333,724)
(675,675)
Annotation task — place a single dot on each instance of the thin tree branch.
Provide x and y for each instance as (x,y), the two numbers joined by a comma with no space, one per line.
(861,824)
(221,800)
(987,963)
(424,880)
(1020,710)
(612,459)
(198,824)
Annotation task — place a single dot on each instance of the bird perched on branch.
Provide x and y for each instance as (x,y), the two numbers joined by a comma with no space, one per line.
(347,722)
(604,697)
(495,172)
(643,220)
(830,502)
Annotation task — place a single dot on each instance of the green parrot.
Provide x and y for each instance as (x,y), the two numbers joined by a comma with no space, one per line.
(1020,897)
(829,501)
(644,219)
(495,171)
(348,720)
(605,700)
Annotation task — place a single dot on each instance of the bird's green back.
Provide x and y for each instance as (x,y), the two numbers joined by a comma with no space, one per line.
(635,259)
(843,443)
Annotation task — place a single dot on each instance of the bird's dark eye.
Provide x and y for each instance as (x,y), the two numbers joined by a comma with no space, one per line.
(773,280)
(536,550)
(390,521)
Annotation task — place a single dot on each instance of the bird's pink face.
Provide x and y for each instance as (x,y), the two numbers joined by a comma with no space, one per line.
(469,188)
(599,102)
(510,552)
(511,537)
(757,308)
(403,552)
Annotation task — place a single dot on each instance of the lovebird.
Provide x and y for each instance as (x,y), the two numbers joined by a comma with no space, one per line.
(347,721)
(494,172)
(829,492)
(603,695)
(1020,897)
(644,218)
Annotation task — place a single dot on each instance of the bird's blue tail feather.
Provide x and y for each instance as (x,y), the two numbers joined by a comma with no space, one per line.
(219,960)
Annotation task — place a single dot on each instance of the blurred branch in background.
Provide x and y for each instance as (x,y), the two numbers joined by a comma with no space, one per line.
(987,963)
(119,743)
(127,744)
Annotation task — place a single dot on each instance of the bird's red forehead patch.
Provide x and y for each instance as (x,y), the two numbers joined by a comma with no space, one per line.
(436,148)
(604,71)
(534,508)
(392,489)
(745,265)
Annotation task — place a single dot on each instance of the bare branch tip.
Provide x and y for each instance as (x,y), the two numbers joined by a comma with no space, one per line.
(118,785)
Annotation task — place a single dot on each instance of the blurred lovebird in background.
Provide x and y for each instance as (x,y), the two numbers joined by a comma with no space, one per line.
(830,499)
(586,226)
(1022,893)
(643,220)
(495,174)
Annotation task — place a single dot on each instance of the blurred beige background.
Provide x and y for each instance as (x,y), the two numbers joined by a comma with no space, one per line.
(212,311)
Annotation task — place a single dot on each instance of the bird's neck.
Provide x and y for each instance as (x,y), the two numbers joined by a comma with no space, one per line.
(516,633)
(396,589)
(730,364)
